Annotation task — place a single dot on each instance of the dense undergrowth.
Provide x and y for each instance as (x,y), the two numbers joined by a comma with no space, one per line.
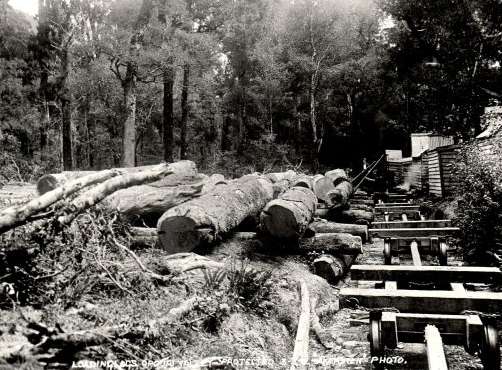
(479,213)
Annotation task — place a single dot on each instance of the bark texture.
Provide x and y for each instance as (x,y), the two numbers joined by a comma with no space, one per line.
(208,218)
(288,216)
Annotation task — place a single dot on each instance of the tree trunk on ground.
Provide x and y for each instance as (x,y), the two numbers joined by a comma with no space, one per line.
(324,226)
(322,186)
(20,215)
(303,181)
(184,111)
(52,181)
(168,115)
(333,268)
(339,197)
(208,218)
(101,191)
(337,176)
(278,176)
(359,217)
(129,128)
(333,243)
(288,216)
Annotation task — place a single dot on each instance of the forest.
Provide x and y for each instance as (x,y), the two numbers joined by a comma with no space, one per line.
(239,86)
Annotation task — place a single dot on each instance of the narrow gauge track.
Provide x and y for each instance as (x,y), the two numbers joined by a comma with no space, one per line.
(424,302)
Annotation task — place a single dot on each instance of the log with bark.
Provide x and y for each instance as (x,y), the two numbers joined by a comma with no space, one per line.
(340,195)
(356,216)
(303,181)
(288,216)
(324,226)
(333,243)
(19,215)
(208,218)
(333,267)
(108,187)
(337,176)
(52,181)
(289,175)
(321,186)
(362,207)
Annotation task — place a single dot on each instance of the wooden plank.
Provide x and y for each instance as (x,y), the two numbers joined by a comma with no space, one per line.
(458,287)
(301,348)
(383,208)
(434,348)
(423,301)
(454,274)
(411,224)
(413,232)
(404,217)
(391,285)
(415,254)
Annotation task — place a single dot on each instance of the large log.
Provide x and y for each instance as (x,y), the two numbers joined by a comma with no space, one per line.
(333,268)
(52,181)
(324,226)
(108,187)
(152,200)
(288,216)
(359,217)
(303,181)
(340,195)
(321,186)
(333,243)
(19,215)
(208,218)
(289,175)
(337,176)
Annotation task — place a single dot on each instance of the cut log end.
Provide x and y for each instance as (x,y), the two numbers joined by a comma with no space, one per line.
(182,234)
(280,222)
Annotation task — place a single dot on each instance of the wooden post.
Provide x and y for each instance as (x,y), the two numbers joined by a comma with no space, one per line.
(435,352)
(301,351)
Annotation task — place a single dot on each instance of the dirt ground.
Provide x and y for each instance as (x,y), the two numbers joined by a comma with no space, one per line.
(263,338)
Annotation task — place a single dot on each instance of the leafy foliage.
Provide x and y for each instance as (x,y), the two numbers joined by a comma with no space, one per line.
(480,205)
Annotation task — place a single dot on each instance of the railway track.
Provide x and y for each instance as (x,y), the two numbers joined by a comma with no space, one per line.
(415,296)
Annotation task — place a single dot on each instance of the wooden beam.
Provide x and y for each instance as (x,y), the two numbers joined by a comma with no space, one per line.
(404,217)
(381,208)
(411,224)
(301,349)
(415,254)
(434,347)
(458,287)
(396,204)
(423,301)
(391,285)
(452,274)
(413,232)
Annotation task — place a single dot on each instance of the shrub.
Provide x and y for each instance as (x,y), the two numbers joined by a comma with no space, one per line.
(480,205)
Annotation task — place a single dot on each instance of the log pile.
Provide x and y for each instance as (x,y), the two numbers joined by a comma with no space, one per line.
(192,210)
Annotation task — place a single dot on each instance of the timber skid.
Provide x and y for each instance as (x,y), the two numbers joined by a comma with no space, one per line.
(431,304)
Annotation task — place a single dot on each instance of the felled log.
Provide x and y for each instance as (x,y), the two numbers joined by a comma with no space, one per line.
(208,218)
(288,216)
(211,182)
(289,175)
(340,195)
(324,226)
(52,181)
(333,243)
(303,181)
(321,186)
(144,237)
(356,216)
(333,268)
(301,350)
(19,215)
(337,176)
(101,191)
(145,200)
